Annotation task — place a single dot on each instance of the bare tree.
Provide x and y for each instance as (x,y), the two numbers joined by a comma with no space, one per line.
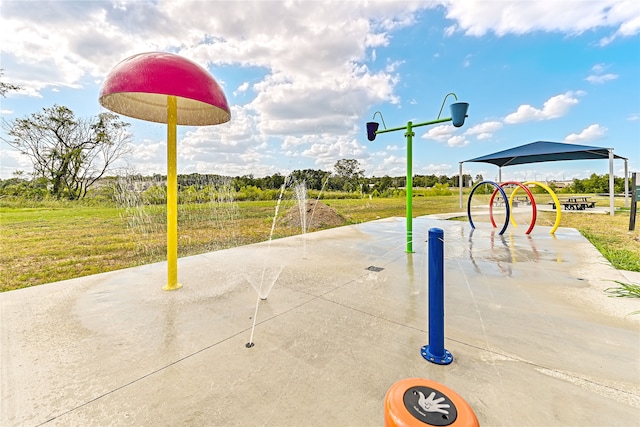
(71,153)
(6,87)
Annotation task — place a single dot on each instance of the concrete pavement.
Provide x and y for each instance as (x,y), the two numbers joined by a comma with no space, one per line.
(535,340)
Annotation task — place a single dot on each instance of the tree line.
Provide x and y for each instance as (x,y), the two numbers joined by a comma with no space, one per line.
(199,187)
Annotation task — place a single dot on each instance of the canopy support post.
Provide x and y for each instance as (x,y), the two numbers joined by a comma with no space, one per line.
(611,186)
(626,183)
(460,181)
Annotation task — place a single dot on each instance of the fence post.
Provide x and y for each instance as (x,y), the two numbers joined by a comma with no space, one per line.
(435,352)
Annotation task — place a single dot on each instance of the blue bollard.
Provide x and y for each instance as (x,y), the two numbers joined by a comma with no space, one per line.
(435,352)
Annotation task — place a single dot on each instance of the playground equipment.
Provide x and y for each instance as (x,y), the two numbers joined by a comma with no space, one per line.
(534,214)
(458,115)
(509,203)
(420,402)
(435,352)
(553,196)
(166,88)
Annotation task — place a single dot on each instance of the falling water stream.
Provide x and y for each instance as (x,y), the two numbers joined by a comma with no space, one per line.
(207,210)
(209,204)
(263,295)
(267,283)
(135,197)
(324,184)
(301,195)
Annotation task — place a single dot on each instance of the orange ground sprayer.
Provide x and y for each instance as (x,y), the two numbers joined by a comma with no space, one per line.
(418,402)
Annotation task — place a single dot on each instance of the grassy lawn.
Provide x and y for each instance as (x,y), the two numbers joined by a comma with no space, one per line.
(48,244)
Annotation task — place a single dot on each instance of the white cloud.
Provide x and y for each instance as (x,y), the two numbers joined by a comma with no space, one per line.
(626,12)
(242,88)
(392,67)
(440,169)
(307,106)
(591,133)
(440,133)
(457,141)
(599,76)
(10,161)
(554,107)
(65,41)
(154,151)
(484,131)
(390,165)
(329,149)
(320,68)
(446,134)
(227,147)
(478,18)
(450,30)
(313,84)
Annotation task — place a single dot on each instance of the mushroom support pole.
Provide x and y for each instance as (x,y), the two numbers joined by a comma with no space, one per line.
(172,196)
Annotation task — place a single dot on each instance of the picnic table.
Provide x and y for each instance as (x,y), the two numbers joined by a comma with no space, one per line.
(523,199)
(514,204)
(578,199)
(576,203)
(500,202)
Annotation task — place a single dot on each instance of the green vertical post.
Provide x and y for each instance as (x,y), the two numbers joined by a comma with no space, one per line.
(409,188)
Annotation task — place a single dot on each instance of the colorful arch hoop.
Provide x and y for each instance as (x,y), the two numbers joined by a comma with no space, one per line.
(506,205)
(534,213)
(553,196)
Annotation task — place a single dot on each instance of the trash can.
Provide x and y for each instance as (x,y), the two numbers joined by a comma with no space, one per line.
(418,402)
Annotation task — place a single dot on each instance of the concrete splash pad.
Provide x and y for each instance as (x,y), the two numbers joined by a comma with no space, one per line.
(535,340)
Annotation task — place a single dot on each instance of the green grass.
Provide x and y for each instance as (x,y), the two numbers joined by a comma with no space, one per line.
(625,290)
(610,247)
(39,244)
(59,241)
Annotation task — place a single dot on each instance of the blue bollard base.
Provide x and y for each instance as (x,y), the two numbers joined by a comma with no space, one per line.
(437,359)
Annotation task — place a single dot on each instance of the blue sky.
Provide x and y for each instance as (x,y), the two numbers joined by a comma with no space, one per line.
(303,78)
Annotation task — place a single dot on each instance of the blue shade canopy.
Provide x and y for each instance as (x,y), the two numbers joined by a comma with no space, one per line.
(544,151)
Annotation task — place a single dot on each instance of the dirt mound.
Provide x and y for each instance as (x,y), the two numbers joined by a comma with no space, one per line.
(316,215)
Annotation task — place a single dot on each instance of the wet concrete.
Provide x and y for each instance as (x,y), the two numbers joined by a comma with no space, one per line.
(535,339)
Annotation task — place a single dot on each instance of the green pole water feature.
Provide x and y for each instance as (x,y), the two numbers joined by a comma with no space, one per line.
(458,115)
(409,184)
(409,204)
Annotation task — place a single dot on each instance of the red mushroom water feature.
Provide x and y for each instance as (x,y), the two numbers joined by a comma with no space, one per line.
(166,88)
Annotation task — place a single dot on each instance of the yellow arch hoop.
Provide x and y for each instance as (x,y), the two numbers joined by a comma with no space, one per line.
(553,196)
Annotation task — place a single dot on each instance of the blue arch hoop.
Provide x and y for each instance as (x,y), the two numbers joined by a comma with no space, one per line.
(506,204)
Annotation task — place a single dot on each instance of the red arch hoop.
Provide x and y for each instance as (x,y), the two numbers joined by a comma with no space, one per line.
(534,214)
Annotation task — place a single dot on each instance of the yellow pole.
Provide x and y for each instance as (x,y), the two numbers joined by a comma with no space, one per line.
(172,196)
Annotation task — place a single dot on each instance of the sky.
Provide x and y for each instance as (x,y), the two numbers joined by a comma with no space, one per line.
(302,78)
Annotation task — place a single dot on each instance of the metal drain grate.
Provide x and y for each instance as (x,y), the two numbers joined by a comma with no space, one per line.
(374,268)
